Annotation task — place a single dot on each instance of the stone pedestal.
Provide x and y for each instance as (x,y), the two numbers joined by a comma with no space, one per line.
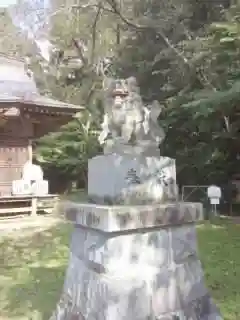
(135,263)
(113,177)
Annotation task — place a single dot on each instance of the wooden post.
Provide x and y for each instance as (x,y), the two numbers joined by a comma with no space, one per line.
(30,150)
(34,207)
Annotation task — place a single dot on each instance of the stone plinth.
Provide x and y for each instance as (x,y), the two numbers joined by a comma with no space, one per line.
(135,263)
(113,177)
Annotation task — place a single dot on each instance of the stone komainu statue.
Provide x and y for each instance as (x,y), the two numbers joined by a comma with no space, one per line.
(126,119)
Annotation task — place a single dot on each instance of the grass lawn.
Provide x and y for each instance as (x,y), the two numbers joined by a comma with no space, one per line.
(33,268)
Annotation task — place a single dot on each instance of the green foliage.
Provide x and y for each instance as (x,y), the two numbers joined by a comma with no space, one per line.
(184,54)
(195,73)
(69,149)
(12,41)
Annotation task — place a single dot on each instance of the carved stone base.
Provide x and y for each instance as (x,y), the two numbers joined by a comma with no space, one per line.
(200,309)
(125,268)
(129,179)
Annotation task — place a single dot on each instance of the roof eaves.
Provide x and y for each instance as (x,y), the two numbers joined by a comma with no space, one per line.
(41,102)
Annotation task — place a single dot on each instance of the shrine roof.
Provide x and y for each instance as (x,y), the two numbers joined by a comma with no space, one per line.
(18,88)
(39,101)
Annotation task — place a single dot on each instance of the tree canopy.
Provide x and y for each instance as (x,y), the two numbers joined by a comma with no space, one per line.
(184,53)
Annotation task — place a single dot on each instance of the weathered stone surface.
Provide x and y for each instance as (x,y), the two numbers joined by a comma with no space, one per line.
(123,218)
(129,125)
(164,293)
(184,243)
(190,281)
(139,275)
(135,249)
(104,297)
(200,309)
(130,179)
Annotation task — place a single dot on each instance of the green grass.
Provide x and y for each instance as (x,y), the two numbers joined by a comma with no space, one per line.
(32,273)
(220,255)
(33,268)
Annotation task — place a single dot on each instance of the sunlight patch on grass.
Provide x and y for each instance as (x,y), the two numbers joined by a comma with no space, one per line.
(53,263)
(203,226)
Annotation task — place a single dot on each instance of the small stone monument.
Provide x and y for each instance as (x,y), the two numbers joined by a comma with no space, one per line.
(32,182)
(133,249)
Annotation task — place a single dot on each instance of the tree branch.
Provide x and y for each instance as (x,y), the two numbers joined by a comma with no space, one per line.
(91,5)
(94,32)
(139,27)
(79,50)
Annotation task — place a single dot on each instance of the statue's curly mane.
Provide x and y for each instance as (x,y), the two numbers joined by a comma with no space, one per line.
(112,87)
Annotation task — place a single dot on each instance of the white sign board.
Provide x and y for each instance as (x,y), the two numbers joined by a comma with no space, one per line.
(214,200)
(214,194)
(22,187)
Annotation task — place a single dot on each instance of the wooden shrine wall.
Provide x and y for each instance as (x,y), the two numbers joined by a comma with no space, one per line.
(14,151)
(15,141)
